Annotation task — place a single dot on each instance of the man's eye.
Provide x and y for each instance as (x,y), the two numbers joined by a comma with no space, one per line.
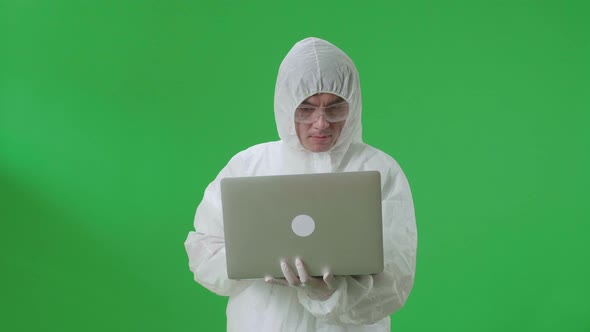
(305,110)
(334,110)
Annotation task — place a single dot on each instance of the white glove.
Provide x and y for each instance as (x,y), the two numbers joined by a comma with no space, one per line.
(316,288)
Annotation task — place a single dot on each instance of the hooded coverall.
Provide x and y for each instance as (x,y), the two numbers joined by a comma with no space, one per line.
(360,303)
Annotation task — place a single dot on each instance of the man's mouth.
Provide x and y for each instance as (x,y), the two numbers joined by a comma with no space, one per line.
(320,138)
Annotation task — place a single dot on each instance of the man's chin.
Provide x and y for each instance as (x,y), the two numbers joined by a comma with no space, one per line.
(319,147)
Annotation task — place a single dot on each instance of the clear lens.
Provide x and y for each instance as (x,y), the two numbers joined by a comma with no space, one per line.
(310,114)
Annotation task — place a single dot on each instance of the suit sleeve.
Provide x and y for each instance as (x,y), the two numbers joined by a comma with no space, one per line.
(205,246)
(370,298)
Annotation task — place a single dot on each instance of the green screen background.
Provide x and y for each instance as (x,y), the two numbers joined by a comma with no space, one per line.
(115,115)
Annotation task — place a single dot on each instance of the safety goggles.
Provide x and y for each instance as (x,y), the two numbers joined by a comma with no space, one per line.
(310,114)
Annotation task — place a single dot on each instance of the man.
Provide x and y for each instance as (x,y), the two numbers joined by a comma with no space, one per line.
(318,116)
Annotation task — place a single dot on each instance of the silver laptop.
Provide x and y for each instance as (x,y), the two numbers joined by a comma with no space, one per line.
(332,221)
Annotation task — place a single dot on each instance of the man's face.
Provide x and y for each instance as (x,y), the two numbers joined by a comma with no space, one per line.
(320,135)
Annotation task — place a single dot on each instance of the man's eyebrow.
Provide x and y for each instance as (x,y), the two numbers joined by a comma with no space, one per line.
(337,101)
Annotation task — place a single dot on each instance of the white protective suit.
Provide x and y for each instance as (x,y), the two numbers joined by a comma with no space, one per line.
(360,303)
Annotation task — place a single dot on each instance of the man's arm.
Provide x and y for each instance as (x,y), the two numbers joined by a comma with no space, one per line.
(206,245)
(368,299)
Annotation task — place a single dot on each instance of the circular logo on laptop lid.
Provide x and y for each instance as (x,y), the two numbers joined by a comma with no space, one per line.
(303,225)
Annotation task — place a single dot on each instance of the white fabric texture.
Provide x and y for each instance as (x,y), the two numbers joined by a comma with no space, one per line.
(360,303)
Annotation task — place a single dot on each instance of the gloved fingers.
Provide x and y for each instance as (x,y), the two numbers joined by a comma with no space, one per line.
(289,275)
(303,275)
(330,280)
(278,282)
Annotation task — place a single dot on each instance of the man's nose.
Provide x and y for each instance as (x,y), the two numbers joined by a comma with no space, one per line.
(321,122)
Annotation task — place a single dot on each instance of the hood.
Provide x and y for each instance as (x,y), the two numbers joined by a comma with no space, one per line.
(315,66)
